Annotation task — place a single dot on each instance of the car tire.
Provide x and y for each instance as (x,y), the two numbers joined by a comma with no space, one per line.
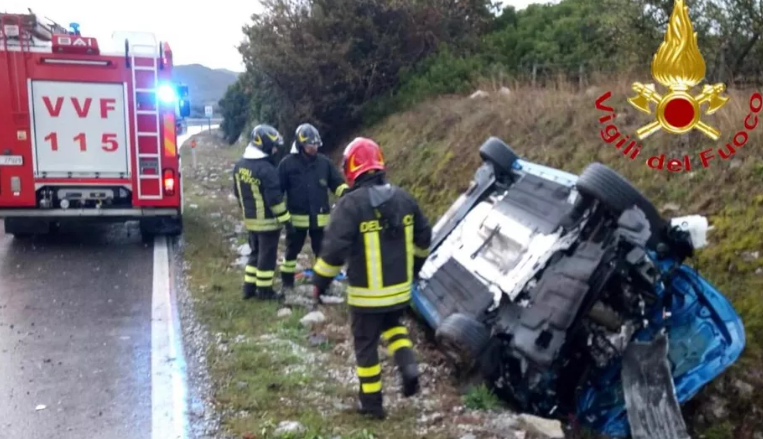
(462,339)
(496,152)
(616,193)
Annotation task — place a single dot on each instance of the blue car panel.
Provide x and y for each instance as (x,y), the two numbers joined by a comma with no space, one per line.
(706,336)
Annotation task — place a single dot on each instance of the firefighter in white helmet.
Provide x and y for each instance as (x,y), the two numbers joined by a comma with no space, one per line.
(257,187)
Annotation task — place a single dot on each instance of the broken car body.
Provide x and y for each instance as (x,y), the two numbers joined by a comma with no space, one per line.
(553,285)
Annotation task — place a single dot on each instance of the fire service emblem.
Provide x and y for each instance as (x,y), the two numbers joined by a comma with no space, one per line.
(678,65)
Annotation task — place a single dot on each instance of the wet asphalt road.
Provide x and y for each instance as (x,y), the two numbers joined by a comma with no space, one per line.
(75,334)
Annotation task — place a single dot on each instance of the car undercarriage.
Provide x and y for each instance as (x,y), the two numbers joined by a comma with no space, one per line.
(543,280)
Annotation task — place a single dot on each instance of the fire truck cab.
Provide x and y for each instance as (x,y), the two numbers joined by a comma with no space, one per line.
(87,132)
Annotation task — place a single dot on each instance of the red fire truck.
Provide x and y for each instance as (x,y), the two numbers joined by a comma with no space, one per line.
(86,133)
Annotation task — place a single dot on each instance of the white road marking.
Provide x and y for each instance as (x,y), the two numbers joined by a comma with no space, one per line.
(168,391)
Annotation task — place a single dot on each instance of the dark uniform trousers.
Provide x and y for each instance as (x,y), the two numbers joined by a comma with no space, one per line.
(260,268)
(367,329)
(306,182)
(380,232)
(294,244)
(256,185)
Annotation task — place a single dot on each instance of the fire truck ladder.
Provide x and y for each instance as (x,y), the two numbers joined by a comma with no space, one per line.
(156,134)
(11,24)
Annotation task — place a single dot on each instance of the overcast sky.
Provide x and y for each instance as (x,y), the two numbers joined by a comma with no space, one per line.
(206,34)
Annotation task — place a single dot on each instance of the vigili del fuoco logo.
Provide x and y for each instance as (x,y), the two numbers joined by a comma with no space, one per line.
(678,66)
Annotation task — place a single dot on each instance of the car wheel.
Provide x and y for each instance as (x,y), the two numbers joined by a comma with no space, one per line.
(499,154)
(616,193)
(462,339)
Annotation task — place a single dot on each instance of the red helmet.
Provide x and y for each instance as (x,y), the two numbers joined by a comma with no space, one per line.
(360,156)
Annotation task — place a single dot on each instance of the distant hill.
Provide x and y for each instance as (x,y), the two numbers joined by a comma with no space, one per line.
(205,86)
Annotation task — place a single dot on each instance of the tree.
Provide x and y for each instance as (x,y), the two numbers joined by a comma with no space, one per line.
(234,107)
(323,60)
(335,62)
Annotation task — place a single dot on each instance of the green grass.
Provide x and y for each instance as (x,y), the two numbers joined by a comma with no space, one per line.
(481,398)
(263,369)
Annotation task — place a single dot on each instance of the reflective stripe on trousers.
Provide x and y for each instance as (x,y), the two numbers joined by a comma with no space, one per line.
(303,221)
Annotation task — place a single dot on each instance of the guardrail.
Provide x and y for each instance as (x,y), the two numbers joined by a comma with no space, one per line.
(203,121)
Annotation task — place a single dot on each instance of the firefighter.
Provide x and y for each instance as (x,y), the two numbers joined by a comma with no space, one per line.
(257,187)
(306,177)
(380,231)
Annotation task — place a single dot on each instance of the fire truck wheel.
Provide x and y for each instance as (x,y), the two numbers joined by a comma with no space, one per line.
(23,228)
(151,227)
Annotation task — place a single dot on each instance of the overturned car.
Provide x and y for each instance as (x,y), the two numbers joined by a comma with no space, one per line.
(569,294)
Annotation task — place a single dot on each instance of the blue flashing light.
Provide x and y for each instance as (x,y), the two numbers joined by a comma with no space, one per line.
(74,27)
(167,94)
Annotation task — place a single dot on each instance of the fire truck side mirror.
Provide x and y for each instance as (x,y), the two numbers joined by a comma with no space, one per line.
(184,103)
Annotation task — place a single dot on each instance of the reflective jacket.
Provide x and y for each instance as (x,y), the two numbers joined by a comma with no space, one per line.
(381,232)
(305,182)
(257,188)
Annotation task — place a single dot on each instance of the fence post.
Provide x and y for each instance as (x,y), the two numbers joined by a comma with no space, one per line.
(535,72)
(581,72)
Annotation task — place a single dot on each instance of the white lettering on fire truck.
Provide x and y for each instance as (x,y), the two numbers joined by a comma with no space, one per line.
(108,140)
(80,128)
(77,41)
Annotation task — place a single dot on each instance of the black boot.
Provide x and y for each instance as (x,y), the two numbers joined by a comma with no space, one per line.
(373,412)
(266,293)
(371,406)
(250,291)
(410,375)
(287,280)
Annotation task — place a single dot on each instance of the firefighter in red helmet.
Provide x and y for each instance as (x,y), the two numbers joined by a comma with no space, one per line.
(380,231)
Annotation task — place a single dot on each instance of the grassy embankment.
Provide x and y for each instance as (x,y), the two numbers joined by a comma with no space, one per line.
(432,151)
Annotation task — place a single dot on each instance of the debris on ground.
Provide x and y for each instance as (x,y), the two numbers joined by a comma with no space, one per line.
(289,427)
(312,318)
(244,250)
(543,428)
(316,339)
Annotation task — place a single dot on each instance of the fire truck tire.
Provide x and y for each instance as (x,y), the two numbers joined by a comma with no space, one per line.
(151,227)
(24,228)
